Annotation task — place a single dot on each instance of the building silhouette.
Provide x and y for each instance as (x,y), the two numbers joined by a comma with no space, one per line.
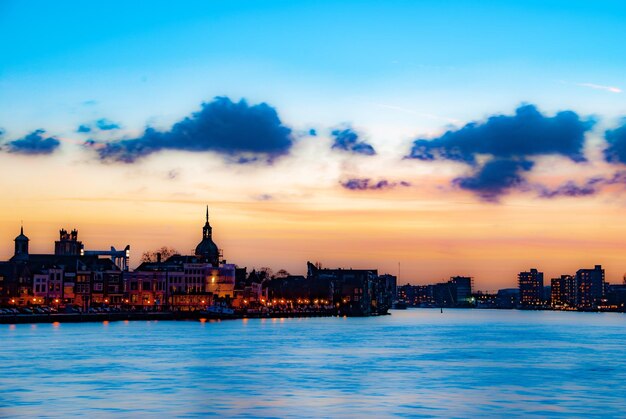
(590,287)
(530,286)
(207,250)
(564,292)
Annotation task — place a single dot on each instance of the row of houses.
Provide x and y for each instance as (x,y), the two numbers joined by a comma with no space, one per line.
(73,276)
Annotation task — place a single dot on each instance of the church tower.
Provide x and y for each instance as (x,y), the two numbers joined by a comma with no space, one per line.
(207,249)
(21,246)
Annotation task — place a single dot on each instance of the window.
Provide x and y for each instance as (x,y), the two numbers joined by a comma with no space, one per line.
(145,286)
(97,286)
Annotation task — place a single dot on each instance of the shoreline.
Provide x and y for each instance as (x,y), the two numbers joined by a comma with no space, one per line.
(177,316)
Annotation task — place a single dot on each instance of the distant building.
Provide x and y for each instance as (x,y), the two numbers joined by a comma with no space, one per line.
(356,292)
(207,250)
(183,282)
(564,292)
(616,297)
(530,286)
(590,287)
(463,288)
(457,292)
(65,277)
(68,244)
(507,298)
(390,283)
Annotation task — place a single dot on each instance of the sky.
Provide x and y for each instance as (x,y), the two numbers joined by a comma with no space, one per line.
(425,138)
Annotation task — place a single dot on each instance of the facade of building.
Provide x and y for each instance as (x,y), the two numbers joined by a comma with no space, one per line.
(356,292)
(65,277)
(590,287)
(563,292)
(530,286)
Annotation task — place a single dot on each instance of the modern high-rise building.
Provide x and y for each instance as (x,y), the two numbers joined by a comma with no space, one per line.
(590,287)
(564,292)
(530,288)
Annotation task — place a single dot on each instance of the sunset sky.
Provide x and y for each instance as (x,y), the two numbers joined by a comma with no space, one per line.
(452,137)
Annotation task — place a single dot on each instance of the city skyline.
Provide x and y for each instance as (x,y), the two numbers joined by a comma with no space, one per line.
(345,159)
(152,253)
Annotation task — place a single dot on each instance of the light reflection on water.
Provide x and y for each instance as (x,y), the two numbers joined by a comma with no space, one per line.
(414,363)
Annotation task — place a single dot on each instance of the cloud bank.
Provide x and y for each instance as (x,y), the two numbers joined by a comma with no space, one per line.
(616,140)
(235,129)
(33,144)
(509,142)
(348,140)
(524,134)
(495,178)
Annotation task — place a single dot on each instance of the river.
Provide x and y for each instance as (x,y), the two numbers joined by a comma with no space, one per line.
(414,363)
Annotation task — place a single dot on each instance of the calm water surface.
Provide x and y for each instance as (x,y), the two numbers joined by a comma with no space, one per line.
(462,363)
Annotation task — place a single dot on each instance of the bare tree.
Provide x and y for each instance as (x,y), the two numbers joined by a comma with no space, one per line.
(166,252)
(265,272)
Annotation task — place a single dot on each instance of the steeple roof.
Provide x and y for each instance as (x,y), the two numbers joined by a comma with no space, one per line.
(21,237)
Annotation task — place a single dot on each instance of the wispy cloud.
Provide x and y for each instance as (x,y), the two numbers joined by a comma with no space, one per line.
(364,184)
(611,89)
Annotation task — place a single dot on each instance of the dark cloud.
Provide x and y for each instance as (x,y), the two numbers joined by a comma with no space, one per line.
(104,124)
(101,124)
(348,140)
(313,132)
(527,133)
(242,132)
(616,151)
(572,189)
(364,184)
(588,187)
(495,178)
(34,143)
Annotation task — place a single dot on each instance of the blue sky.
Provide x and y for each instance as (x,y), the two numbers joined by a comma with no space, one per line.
(317,62)
(382,73)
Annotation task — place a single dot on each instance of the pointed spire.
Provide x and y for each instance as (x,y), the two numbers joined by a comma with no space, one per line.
(207,213)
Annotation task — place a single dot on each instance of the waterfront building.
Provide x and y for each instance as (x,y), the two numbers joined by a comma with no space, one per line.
(590,287)
(390,283)
(616,297)
(563,292)
(457,292)
(530,286)
(508,298)
(355,292)
(250,290)
(51,279)
(462,290)
(182,282)
(485,299)
(207,251)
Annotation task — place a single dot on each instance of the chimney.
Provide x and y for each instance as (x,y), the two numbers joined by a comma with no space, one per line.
(158,257)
